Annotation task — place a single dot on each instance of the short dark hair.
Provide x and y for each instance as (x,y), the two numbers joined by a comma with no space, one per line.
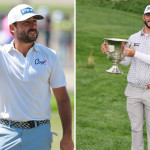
(15,24)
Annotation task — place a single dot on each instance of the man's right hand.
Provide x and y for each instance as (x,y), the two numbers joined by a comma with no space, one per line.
(104,48)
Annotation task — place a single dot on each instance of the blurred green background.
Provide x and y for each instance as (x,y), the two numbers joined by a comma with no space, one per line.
(102,122)
(61,40)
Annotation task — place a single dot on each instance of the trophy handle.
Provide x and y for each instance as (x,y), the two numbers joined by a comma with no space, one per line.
(104,40)
(123,47)
(130,45)
(122,50)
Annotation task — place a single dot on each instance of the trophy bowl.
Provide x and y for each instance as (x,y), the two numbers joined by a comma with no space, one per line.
(115,53)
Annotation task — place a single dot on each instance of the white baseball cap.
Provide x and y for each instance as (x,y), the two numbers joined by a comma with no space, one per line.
(22,12)
(147,9)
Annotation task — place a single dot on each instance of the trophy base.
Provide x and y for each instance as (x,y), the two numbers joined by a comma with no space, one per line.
(115,70)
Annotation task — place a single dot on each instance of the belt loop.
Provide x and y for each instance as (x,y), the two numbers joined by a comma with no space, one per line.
(35,123)
(9,123)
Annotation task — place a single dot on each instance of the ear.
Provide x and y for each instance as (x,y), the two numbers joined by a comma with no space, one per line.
(12,28)
(143,18)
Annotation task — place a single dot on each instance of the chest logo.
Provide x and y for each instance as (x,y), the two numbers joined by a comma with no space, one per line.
(136,44)
(39,62)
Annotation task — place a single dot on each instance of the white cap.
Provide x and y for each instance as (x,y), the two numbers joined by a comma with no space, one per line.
(22,12)
(147,9)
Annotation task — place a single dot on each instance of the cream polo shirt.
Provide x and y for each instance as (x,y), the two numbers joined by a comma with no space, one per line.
(25,82)
(139,72)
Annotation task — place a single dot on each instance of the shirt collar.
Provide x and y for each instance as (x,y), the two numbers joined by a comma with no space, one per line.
(142,32)
(11,47)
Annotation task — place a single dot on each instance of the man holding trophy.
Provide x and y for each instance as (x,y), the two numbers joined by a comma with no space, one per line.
(137,52)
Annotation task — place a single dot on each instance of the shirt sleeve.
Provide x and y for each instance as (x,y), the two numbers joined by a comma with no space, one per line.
(126,61)
(142,57)
(57,77)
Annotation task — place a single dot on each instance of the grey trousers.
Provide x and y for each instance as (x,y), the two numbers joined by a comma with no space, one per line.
(138,104)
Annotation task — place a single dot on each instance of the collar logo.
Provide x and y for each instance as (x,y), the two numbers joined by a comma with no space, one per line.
(38,62)
(27,10)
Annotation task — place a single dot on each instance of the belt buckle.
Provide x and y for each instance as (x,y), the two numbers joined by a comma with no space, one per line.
(31,124)
(148,86)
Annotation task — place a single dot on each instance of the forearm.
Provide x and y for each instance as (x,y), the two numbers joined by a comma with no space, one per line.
(65,113)
(142,57)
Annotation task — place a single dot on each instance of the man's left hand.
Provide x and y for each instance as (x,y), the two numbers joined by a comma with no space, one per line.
(130,52)
(66,144)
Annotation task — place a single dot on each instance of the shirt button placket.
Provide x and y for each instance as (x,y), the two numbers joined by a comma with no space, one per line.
(25,76)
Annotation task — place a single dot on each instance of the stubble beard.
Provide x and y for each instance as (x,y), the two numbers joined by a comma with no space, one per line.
(146,24)
(24,37)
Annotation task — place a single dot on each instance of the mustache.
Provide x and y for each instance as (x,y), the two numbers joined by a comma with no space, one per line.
(30,30)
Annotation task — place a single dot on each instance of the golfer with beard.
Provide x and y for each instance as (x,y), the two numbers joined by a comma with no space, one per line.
(27,71)
(138,88)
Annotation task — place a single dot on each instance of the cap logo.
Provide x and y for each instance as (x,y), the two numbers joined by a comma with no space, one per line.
(27,10)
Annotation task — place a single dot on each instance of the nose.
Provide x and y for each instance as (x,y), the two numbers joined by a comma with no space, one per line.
(33,25)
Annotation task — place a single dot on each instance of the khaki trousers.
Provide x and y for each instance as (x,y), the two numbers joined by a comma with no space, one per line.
(138,104)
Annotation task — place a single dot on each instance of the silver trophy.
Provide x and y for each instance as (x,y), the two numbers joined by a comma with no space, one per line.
(115,53)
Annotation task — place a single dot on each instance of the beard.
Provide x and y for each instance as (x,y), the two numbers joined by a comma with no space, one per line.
(24,37)
(146,23)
